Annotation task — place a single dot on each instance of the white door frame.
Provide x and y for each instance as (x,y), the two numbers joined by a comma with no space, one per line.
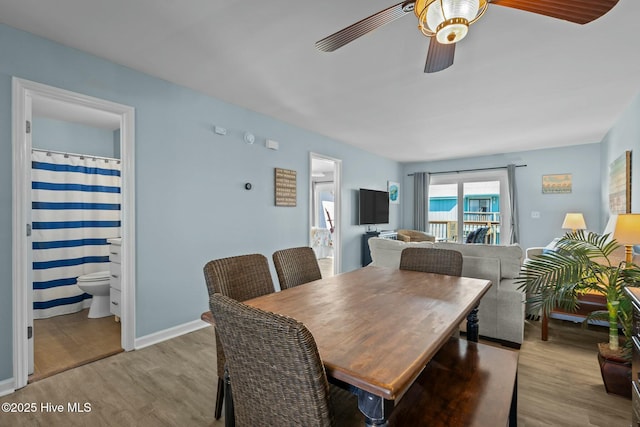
(337,206)
(22,92)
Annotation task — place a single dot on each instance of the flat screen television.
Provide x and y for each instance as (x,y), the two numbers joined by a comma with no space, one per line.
(374,207)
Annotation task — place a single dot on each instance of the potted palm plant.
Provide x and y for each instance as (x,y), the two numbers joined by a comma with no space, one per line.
(586,263)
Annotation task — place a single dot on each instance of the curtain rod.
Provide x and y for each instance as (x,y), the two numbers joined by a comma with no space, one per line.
(82,156)
(472,170)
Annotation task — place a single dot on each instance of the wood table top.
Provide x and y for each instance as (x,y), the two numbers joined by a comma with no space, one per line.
(376,328)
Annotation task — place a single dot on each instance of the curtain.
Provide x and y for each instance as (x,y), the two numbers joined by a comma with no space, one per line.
(75,208)
(511,178)
(420,201)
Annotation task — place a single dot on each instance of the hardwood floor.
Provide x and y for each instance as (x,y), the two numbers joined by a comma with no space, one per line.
(560,382)
(173,384)
(67,341)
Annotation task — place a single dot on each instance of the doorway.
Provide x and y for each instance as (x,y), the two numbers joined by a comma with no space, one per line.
(33,99)
(325,211)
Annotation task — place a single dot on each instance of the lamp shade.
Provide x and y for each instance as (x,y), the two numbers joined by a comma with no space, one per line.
(574,221)
(627,231)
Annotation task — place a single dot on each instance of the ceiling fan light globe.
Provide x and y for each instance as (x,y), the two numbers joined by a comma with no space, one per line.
(452,32)
(439,11)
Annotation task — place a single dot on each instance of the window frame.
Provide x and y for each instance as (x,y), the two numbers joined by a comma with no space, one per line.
(460,178)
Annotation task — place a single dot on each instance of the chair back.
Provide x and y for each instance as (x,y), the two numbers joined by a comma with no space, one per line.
(296,266)
(432,260)
(471,237)
(482,234)
(478,235)
(277,377)
(241,278)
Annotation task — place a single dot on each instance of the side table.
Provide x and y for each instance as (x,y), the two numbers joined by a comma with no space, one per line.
(587,304)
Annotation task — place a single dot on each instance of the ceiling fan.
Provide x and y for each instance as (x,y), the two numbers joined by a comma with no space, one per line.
(446,22)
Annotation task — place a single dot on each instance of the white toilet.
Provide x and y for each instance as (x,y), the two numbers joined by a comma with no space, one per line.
(97,285)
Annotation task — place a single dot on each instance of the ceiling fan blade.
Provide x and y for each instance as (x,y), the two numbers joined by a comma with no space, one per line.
(439,56)
(578,11)
(360,28)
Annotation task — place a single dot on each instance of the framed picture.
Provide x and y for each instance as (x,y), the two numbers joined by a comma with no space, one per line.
(556,184)
(620,184)
(394,192)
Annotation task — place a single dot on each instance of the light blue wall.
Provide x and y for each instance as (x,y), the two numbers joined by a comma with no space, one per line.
(58,135)
(623,136)
(190,198)
(582,161)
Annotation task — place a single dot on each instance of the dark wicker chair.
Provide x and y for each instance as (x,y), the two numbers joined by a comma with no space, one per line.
(277,376)
(432,260)
(296,266)
(478,235)
(482,234)
(241,278)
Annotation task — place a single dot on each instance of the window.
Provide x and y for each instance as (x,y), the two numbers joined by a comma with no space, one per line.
(469,207)
(479,205)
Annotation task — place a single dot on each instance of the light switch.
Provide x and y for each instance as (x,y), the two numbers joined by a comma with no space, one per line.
(535,215)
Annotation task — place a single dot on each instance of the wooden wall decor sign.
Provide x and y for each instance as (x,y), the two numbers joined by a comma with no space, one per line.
(285,187)
(620,184)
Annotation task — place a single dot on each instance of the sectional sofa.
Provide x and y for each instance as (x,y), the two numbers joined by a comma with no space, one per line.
(502,309)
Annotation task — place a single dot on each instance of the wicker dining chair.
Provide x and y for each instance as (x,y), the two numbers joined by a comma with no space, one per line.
(296,266)
(241,278)
(277,375)
(432,260)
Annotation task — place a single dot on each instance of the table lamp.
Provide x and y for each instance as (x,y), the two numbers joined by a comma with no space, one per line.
(573,222)
(627,233)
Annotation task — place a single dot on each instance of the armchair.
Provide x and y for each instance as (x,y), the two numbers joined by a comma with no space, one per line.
(415,236)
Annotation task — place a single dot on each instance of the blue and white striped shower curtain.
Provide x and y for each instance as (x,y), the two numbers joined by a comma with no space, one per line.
(75,208)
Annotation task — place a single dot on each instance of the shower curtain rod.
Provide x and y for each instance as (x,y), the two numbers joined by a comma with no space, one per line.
(471,170)
(82,156)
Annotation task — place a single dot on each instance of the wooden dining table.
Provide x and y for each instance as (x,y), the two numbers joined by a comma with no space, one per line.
(377,328)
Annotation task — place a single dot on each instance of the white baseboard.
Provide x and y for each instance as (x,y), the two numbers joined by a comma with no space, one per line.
(167,334)
(7,387)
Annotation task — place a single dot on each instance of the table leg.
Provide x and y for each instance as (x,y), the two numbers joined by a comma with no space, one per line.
(513,411)
(472,325)
(545,327)
(375,409)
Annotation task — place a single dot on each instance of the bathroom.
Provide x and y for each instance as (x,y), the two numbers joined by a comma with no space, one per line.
(76,201)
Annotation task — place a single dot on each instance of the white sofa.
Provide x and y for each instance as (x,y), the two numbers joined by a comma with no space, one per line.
(502,309)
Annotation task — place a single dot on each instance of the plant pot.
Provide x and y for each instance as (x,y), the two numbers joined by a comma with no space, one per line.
(615,370)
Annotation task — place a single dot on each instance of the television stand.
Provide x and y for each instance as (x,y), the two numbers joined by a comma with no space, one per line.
(366,252)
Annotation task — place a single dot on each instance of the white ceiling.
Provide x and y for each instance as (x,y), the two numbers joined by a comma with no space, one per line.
(520,81)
